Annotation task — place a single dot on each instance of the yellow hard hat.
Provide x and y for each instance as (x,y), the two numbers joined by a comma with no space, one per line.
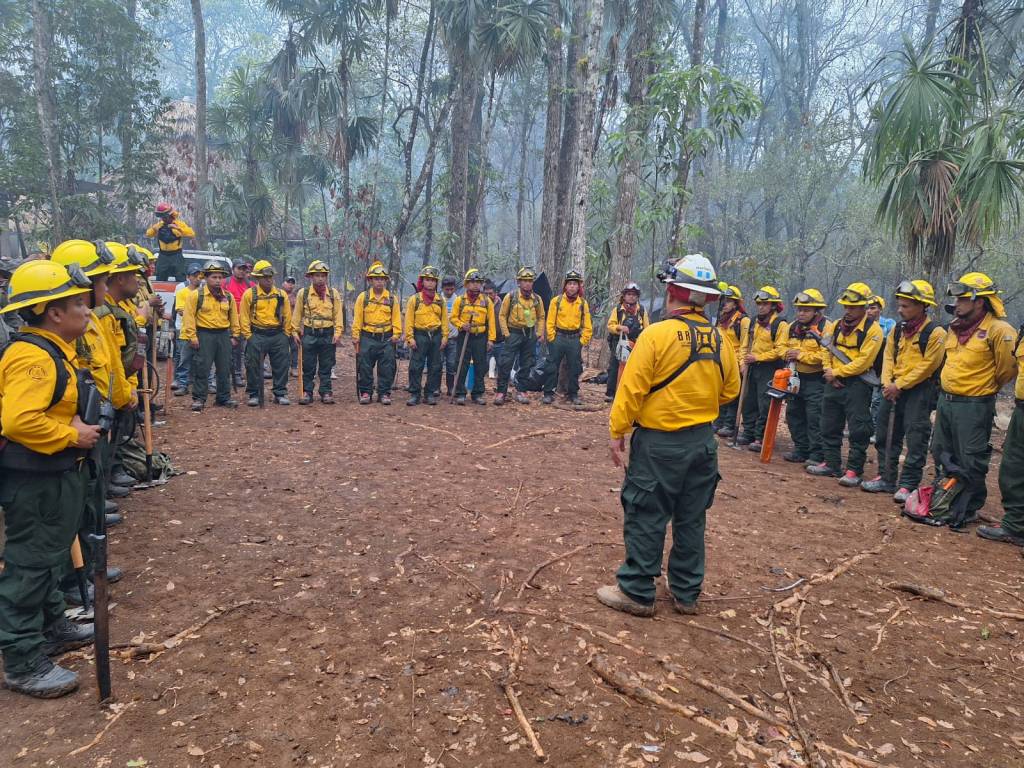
(876,299)
(213,267)
(767,294)
(730,291)
(856,295)
(430,273)
(916,290)
(84,254)
(474,275)
(978,285)
(126,259)
(317,267)
(526,273)
(262,268)
(144,251)
(37,283)
(809,297)
(377,269)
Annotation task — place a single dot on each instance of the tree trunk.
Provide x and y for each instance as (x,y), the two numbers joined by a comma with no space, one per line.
(932,19)
(202,168)
(552,138)
(685,159)
(639,67)
(570,135)
(462,119)
(527,117)
(46,109)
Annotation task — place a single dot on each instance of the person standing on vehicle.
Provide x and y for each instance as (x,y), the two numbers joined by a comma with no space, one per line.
(677,377)
(628,318)
(847,397)
(210,325)
(265,320)
(318,323)
(42,487)
(521,320)
(570,328)
(170,231)
(426,334)
(914,350)
(376,331)
(733,323)
(803,409)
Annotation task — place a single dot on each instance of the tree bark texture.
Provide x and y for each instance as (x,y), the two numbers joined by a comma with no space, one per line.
(202,166)
(552,136)
(46,108)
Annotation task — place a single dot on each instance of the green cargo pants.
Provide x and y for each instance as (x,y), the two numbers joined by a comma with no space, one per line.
(1011,473)
(567,346)
(671,478)
(520,345)
(275,346)
(846,407)
(963,426)
(318,356)
(727,414)
(756,401)
(803,416)
(42,513)
(912,422)
(214,350)
(376,351)
(426,355)
(476,354)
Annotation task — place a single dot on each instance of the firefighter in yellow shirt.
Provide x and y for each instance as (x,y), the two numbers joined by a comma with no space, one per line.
(473,315)
(627,319)
(265,319)
(42,489)
(209,323)
(760,363)
(847,398)
(979,361)
(318,322)
(170,230)
(426,333)
(376,331)
(913,353)
(521,320)
(803,409)
(678,375)
(570,328)
(734,324)
(1011,468)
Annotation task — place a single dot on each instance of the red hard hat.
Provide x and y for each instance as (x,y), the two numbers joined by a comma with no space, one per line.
(163,208)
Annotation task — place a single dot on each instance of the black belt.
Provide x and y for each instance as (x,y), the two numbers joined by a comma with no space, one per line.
(1019,403)
(267,331)
(475,333)
(213,330)
(318,331)
(641,428)
(377,336)
(966,399)
(521,331)
(428,331)
(560,332)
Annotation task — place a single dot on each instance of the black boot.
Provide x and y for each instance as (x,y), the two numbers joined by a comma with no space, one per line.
(64,635)
(45,680)
(413,400)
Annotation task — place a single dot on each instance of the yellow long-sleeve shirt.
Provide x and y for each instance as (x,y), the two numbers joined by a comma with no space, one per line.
(768,346)
(93,355)
(176,227)
(216,314)
(313,312)
(570,316)
(475,314)
(812,355)
(376,314)
(520,313)
(862,357)
(421,316)
(984,364)
(265,310)
(124,387)
(692,398)
(737,333)
(1018,391)
(615,329)
(133,309)
(27,383)
(912,368)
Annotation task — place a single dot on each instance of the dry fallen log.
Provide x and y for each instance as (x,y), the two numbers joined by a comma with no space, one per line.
(725,693)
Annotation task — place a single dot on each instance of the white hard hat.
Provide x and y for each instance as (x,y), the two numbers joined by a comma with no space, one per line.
(692,271)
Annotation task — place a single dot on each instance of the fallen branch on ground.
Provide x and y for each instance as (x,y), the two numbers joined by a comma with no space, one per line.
(460,438)
(725,693)
(529,579)
(931,593)
(103,732)
(890,620)
(544,495)
(153,650)
(839,570)
(844,692)
(592,631)
(515,658)
(515,501)
(401,557)
(808,746)
(538,433)
(453,572)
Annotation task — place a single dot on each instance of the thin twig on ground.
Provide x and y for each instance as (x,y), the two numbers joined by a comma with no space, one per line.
(515,659)
(528,583)
(154,650)
(931,593)
(809,748)
(107,726)
(401,557)
(723,692)
(460,438)
(844,692)
(881,629)
(515,501)
(544,495)
(538,433)
(453,572)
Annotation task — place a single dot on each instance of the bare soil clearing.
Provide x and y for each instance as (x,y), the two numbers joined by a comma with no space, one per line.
(386,550)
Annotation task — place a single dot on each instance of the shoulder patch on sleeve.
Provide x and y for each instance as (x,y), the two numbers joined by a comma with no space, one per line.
(36,372)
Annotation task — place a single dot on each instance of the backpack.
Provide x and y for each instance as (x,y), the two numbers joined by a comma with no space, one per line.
(517,296)
(279,313)
(701,348)
(640,317)
(419,301)
(131,359)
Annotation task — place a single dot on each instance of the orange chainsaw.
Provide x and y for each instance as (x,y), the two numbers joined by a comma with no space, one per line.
(786,382)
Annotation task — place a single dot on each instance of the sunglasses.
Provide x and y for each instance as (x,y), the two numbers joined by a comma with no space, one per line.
(852,296)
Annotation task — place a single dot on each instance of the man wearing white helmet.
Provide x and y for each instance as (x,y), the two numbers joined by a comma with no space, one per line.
(678,375)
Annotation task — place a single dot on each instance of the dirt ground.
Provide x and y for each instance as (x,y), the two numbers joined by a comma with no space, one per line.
(384,552)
